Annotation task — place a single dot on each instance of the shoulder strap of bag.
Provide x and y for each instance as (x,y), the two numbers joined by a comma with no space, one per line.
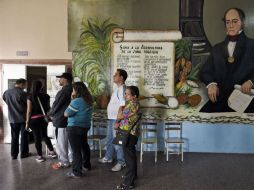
(41,106)
(124,89)
(139,117)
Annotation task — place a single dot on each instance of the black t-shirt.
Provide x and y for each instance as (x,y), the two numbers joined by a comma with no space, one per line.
(45,101)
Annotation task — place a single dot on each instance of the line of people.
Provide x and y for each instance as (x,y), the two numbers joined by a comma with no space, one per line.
(71,114)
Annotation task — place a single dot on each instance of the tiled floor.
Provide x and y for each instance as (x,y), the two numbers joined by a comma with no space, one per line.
(197,172)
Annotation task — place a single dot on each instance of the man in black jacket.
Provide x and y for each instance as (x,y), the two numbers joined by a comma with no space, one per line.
(62,101)
(15,98)
(231,62)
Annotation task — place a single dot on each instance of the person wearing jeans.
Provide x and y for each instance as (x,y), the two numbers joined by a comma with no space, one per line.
(79,114)
(116,101)
(111,147)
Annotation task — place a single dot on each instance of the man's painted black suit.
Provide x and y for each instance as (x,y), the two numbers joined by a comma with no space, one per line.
(226,75)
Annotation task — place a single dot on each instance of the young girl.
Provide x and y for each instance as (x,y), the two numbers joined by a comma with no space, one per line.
(127,117)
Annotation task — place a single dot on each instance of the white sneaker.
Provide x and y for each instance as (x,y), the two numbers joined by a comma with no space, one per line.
(117,168)
(40,159)
(105,160)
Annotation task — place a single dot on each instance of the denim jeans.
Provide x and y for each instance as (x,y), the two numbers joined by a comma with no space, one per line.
(111,147)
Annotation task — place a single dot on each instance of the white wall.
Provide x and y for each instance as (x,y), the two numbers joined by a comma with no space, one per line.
(36,26)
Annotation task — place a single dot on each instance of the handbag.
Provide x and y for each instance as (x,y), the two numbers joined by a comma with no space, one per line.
(46,119)
(122,136)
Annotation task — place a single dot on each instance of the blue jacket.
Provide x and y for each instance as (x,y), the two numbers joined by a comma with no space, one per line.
(79,113)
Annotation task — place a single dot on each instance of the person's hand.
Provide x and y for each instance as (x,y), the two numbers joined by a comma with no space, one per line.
(50,117)
(27,126)
(73,96)
(116,125)
(119,116)
(246,87)
(121,108)
(213,92)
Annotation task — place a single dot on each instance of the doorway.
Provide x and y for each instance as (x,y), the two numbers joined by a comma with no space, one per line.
(36,73)
(12,72)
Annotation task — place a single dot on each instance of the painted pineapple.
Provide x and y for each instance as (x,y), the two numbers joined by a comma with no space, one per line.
(183,63)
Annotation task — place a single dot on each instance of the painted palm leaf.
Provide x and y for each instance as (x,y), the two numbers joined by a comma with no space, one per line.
(92,55)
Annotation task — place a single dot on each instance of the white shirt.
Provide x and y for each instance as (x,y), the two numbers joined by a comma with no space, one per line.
(231,48)
(116,100)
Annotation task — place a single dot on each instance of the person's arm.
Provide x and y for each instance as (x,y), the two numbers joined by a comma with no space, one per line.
(120,113)
(23,98)
(60,99)
(47,103)
(4,98)
(207,74)
(28,113)
(72,109)
(121,95)
(119,117)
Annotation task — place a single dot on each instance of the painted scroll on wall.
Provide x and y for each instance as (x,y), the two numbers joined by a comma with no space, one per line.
(148,57)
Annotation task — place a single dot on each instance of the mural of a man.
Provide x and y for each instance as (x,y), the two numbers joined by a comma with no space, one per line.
(230,62)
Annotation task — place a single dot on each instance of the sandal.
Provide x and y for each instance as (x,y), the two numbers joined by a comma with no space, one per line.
(124,187)
(121,187)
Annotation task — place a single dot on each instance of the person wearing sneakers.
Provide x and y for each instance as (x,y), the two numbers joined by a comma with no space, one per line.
(37,105)
(62,101)
(116,101)
(79,114)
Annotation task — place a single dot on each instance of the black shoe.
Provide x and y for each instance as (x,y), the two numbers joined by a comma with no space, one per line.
(14,157)
(84,170)
(124,176)
(72,175)
(87,168)
(25,155)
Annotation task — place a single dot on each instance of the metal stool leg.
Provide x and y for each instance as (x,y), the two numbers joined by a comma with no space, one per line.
(100,147)
(141,152)
(156,152)
(167,151)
